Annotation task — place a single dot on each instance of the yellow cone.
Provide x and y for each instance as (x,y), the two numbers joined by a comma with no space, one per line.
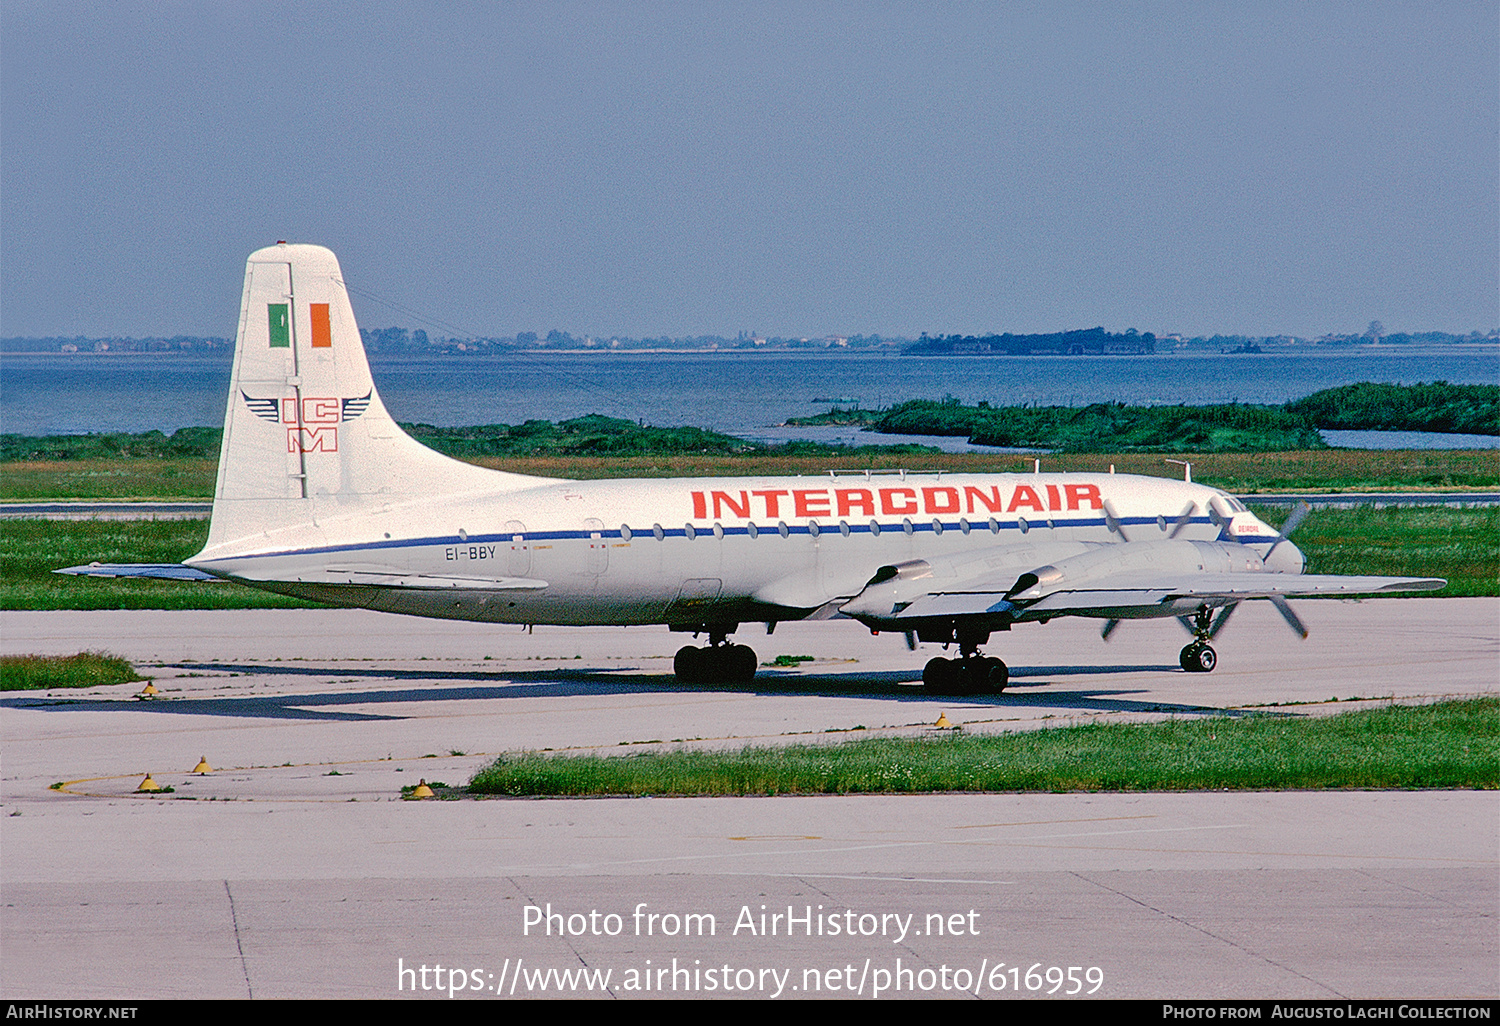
(149,785)
(942,721)
(421,790)
(203,766)
(147,691)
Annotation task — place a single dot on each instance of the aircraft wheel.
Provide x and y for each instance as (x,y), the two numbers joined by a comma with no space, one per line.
(1198,658)
(741,664)
(689,665)
(973,676)
(996,676)
(939,676)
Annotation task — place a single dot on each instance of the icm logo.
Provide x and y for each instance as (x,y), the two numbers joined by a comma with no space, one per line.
(312,421)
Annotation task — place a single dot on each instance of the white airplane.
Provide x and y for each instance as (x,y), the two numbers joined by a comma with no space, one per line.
(322,496)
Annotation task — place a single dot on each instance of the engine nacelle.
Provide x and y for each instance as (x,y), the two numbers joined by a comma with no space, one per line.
(896,586)
(1110,563)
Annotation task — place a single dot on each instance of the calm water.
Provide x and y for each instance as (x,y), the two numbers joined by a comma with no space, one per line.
(739,393)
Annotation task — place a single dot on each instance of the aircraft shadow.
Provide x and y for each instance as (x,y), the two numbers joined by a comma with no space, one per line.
(893,686)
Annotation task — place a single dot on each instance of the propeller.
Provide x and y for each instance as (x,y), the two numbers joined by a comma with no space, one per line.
(1292,523)
(911,641)
(1183,519)
(1293,620)
(1109,628)
(1219,520)
(1112,521)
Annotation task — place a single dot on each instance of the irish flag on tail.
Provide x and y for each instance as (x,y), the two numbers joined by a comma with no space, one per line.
(280,318)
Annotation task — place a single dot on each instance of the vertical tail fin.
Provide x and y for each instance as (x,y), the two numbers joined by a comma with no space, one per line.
(305,433)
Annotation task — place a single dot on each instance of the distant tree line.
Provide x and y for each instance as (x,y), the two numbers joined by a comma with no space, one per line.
(591,435)
(1107,427)
(1084,342)
(1226,427)
(1099,427)
(1439,406)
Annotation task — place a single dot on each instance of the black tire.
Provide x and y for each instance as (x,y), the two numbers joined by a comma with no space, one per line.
(996,677)
(688,665)
(1198,658)
(740,664)
(938,676)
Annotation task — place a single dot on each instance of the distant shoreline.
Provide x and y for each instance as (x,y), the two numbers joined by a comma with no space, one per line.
(1197,352)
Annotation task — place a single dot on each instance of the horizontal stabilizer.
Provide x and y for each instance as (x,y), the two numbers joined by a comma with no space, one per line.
(165,571)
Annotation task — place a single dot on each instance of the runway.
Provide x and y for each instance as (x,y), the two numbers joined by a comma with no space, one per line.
(294,871)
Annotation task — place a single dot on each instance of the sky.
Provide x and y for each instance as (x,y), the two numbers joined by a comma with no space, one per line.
(782,168)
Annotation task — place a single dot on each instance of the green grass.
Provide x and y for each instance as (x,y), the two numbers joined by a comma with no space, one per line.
(31,549)
(85,670)
(1460,545)
(112,479)
(1446,745)
(1242,473)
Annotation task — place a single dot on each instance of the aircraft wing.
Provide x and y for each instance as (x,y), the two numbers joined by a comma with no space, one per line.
(1109,598)
(1123,593)
(1107,582)
(165,571)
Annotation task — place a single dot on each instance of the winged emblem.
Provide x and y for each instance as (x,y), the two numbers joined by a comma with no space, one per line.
(284,411)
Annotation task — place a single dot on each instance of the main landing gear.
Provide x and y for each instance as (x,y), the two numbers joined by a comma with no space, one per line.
(1199,656)
(972,675)
(718,663)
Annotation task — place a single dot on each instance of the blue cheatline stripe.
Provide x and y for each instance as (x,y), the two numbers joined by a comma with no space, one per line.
(897,530)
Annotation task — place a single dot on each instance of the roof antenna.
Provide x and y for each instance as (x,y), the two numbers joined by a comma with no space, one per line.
(1187,470)
(1037,467)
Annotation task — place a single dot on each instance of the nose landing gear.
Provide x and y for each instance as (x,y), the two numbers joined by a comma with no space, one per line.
(1199,656)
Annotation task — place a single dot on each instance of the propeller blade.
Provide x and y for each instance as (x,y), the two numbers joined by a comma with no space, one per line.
(1218,518)
(1112,521)
(1222,619)
(911,641)
(1295,520)
(1183,519)
(1109,628)
(1292,619)
(1292,523)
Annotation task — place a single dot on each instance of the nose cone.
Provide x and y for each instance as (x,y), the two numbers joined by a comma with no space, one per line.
(1285,558)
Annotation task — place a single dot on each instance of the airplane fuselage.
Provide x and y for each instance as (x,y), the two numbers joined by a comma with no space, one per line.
(700,551)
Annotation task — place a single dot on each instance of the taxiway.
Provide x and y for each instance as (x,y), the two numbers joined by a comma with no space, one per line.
(293,870)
